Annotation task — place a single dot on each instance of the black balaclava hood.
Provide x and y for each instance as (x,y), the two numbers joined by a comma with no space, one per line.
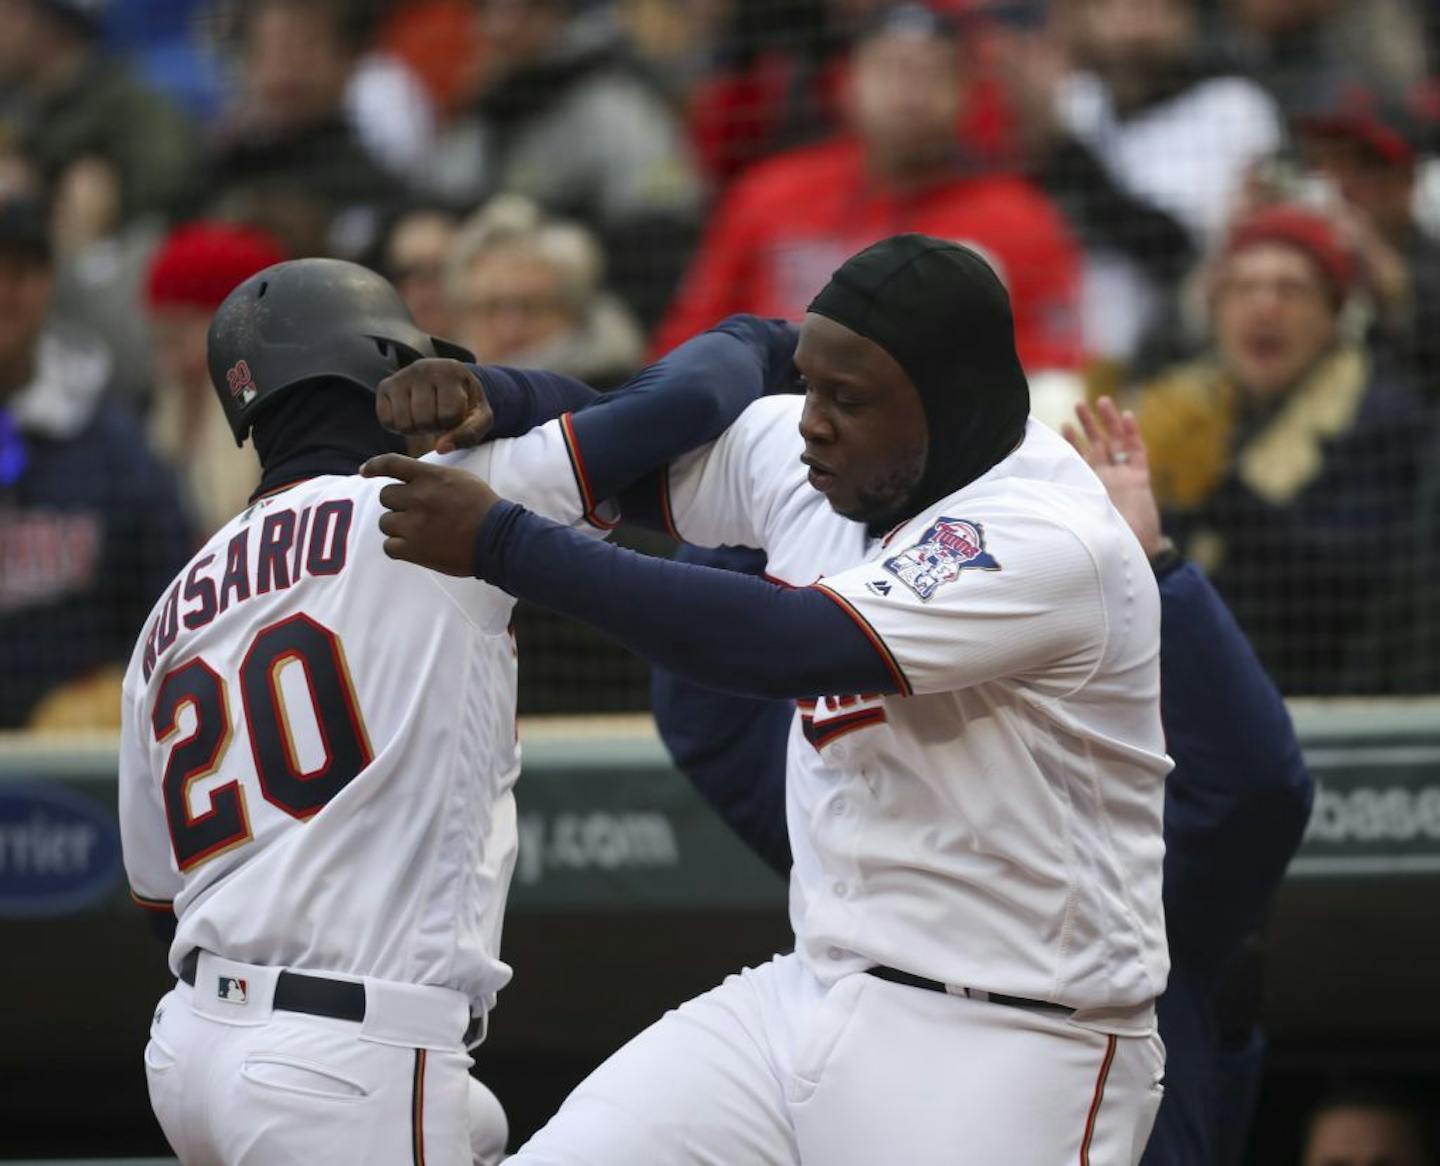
(325,427)
(944,316)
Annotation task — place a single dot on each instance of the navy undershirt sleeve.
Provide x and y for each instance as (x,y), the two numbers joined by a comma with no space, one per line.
(523,398)
(732,748)
(671,407)
(679,403)
(727,631)
(1237,803)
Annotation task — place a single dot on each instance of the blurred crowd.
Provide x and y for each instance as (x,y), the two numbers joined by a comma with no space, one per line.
(1369,1124)
(1226,212)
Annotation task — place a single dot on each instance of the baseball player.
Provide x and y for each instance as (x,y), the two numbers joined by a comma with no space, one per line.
(974,774)
(1235,805)
(336,848)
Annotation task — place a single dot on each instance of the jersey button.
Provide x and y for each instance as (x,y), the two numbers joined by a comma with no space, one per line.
(835,953)
(839,806)
(841,890)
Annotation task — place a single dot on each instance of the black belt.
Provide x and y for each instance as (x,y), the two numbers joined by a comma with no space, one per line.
(314,995)
(896,976)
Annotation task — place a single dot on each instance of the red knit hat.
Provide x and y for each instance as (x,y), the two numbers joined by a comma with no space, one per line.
(1302,228)
(199,264)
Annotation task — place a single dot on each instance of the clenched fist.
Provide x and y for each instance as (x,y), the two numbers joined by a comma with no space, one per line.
(435,396)
(434,512)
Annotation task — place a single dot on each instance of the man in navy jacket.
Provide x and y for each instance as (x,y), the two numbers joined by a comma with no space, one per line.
(1235,806)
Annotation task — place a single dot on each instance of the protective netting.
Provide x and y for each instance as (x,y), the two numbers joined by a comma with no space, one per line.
(1227,213)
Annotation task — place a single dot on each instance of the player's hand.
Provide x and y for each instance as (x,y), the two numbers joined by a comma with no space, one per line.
(433,512)
(1112,445)
(435,396)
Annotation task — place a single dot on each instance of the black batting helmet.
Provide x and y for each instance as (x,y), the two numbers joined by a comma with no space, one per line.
(308,320)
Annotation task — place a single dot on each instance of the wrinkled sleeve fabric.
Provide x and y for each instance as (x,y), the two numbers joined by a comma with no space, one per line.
(727,631)
(618,440)
(1238,800)
(523,398)
(677,405)
(972,600)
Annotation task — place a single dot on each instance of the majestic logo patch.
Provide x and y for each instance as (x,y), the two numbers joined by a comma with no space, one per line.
(950,546)
(242,384)
(231,990)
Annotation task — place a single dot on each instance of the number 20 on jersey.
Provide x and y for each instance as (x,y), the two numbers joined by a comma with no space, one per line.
(297,641)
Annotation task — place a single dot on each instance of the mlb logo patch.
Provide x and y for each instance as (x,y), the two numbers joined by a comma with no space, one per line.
(232,990)
(950,546)
(241,382)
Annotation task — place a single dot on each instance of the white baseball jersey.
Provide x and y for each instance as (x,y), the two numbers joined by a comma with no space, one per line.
(998,824)
(319,742)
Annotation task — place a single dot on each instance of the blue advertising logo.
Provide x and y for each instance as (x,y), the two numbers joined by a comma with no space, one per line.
(59,851)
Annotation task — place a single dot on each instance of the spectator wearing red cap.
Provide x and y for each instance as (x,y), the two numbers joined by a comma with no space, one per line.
(1287,459)
(1368,145)
(195,268)
(788,223)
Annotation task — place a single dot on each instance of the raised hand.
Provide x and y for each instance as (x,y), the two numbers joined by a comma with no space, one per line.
(1111,444)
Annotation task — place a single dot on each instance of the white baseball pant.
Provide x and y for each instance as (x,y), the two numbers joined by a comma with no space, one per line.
(235,1083)
(773,1068)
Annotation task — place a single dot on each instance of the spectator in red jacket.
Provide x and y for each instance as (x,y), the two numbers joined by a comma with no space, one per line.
(781,70)
(784,227)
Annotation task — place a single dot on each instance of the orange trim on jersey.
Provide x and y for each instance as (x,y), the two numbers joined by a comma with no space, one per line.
(1095,1101)
(667,513)
(270,493)
(779,582)
(417,1110)
(152,904)
(582,477)
(821,735)
(896,672)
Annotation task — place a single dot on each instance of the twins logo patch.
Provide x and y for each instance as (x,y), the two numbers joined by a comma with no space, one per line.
(950,546)
(232,990)
(242,384)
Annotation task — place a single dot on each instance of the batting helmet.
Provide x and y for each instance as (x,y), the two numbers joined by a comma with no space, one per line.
(308,320)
